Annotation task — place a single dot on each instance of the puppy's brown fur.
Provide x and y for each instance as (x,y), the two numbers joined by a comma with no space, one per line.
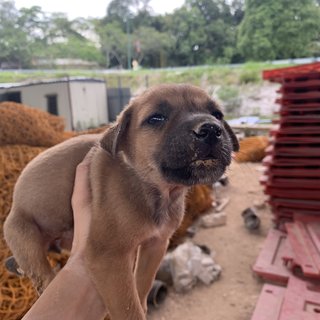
(169,138)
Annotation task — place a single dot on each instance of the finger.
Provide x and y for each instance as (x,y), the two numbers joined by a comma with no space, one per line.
(81,200)
(81,191)
(88,157)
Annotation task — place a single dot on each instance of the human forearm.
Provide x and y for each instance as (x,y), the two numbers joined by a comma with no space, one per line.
(71,295)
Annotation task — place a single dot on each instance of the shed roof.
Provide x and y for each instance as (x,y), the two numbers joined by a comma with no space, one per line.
(49,81)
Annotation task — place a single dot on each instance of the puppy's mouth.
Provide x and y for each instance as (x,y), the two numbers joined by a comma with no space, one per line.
(204,162)
(208,162)
(198,171)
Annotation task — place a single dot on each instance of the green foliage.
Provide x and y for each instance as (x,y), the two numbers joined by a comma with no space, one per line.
(278,29)
(113,43)
(30,34)
(249,77)
(200,32)
(130,29)
(226,93)
(151,46)
(13,41)
(204,32)
(229,95)
(75,48)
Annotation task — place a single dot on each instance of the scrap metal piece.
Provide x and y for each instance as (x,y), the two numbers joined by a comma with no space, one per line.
(251,219)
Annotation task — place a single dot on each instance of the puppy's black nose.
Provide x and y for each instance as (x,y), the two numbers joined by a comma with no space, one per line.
(207,131)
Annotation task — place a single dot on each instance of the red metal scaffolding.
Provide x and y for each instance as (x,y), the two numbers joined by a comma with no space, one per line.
(291,253)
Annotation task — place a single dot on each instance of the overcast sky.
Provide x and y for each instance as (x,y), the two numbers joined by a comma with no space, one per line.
(91,8)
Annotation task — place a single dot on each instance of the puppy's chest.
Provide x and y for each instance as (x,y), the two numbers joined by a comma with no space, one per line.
(168,209)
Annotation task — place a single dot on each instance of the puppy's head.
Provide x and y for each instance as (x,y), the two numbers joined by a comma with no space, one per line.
(175,132)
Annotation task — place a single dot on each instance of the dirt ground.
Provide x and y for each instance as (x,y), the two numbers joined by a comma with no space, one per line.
(234,295)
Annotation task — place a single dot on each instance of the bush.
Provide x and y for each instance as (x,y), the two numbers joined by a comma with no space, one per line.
(249,77)
(228,93)
(230,99)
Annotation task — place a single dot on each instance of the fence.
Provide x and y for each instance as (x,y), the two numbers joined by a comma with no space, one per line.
(118,98)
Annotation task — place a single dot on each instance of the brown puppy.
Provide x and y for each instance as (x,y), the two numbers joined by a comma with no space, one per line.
(169,138)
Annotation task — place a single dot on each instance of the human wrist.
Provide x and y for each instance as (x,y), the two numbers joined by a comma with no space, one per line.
(76,265)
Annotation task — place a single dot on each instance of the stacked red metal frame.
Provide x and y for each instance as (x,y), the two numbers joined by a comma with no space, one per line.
(291,254)
(292,176)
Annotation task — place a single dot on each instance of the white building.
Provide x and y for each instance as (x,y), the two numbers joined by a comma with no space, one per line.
(81,101)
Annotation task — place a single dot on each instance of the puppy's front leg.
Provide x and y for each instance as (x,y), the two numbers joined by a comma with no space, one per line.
(112,274)
(150,255)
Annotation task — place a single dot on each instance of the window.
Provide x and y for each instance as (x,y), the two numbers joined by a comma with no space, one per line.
(52,104)
(14,96)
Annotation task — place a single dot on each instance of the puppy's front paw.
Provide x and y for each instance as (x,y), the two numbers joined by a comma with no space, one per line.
(13,267)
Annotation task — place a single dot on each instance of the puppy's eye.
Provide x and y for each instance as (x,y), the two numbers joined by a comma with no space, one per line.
(156,119)
(218,114)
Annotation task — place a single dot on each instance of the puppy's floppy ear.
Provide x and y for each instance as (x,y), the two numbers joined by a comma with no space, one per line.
(234,140)
(116,133)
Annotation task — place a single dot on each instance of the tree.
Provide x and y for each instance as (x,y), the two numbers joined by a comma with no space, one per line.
(14,47)
(113,43)
(278,29)
(204,32)
(187,26)
(33,22)
(122,10)
(58,37)
(127,32)
(151,46)
(119,10)
(237,10)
